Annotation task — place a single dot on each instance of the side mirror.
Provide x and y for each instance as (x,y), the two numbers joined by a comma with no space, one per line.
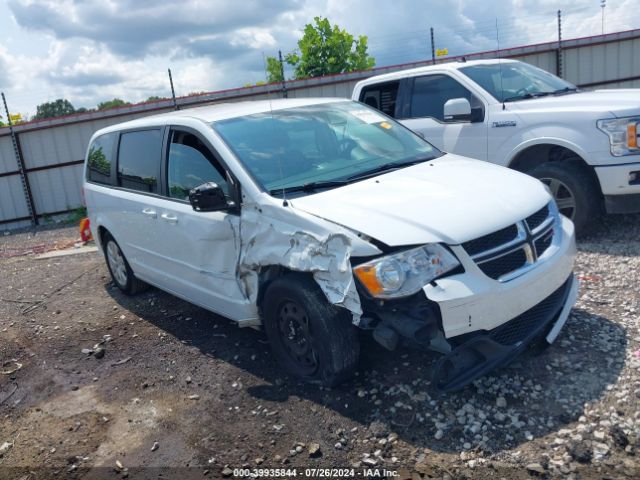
(208,197)
(457,110)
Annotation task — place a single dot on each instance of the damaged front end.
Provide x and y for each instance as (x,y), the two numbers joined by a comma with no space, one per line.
(409,296)
(272,236)
(416,321)
(413,320)
(480,352)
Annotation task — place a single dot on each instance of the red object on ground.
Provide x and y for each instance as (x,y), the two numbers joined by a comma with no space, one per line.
(85,231)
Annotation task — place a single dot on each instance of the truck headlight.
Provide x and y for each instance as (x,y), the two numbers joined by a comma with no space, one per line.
(405,273)
(623,134)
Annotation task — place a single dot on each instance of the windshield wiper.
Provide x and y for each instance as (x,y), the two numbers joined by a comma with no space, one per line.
(385,167)
(565,90)
(527,96)
(309,187)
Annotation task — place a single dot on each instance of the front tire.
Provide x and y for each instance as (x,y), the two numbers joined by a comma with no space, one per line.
(574,189)
(119,268)
(310,338)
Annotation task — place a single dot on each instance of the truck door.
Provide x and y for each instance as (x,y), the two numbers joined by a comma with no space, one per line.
(423,112)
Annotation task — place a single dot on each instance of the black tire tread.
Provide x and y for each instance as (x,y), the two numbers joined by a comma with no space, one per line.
(134,284)
(585,189)
(337,338)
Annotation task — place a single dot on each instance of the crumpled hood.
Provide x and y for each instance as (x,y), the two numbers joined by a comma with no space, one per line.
(451,199)
(622,103)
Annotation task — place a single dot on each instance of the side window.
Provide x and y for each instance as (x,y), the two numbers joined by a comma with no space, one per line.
(191,164)
(99,159)
(382,96)
(431,92)
(139,160)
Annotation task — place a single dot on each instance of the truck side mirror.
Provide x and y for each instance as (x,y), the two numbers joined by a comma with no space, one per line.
(457,110)
(208,197)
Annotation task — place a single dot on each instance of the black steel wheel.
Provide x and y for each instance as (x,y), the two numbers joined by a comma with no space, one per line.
(310,338)
(296,336)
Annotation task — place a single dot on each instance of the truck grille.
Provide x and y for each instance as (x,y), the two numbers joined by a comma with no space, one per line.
(505,254)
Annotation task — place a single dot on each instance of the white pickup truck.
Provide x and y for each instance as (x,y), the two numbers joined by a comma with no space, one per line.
(583,144)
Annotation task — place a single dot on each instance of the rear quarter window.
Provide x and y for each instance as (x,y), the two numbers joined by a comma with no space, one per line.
(100,159)
(382,96)
(139,160)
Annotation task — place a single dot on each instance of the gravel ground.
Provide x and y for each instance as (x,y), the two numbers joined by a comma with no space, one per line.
(111,386)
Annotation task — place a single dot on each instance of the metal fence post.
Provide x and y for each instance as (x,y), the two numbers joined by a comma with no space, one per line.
(433,49)
(559,50)
(23,174)
(173,92)
(284,85)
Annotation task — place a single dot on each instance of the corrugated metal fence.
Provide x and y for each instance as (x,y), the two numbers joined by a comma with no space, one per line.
(53,149)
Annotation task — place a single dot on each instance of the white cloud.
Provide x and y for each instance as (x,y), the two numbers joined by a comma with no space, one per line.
(92,50)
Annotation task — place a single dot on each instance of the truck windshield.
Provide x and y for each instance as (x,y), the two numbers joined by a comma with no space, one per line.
(320,146)
(520,81)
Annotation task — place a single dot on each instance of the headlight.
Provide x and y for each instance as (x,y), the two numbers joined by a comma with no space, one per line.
(623,135)
(405,273)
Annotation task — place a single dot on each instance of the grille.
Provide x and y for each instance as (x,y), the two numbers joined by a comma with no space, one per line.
(544,242)
(527,323)
(502,265)
(492,240)
(490,251)
(535,220)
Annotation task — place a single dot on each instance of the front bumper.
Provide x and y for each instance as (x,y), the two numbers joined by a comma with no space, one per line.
(621,192)
(471,301)
(488,350)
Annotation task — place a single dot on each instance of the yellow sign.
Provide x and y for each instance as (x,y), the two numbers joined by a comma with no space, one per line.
(15,117)
(441,52)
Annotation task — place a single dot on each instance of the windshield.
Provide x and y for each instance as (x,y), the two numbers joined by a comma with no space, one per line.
(519,81)
(323,145)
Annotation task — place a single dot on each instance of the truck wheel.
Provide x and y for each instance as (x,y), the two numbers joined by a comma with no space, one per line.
(119,268)
(310,338)
(576,193)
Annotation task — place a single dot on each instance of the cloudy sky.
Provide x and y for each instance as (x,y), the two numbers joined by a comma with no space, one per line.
(92,50)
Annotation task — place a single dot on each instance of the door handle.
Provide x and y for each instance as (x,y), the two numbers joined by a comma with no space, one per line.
(150,212)
(168,217)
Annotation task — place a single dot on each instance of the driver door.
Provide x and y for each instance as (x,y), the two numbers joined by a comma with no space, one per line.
(197,251)
(424,113)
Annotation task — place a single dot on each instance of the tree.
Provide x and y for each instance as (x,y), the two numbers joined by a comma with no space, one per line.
(56,108)
(153,98)
(116,102)
(324,50)
(274,71)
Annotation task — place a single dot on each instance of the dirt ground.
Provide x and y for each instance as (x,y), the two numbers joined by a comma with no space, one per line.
(175,391)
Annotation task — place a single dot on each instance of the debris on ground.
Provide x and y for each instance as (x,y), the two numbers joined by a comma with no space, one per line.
(4,448)
(13,366)
(572,410)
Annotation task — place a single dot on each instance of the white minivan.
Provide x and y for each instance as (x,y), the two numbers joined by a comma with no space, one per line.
(314,218)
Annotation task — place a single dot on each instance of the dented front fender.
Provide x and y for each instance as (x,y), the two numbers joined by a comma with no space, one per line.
(276,235)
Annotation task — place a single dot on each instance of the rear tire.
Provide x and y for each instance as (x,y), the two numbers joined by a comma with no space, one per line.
(310,338)
(576,192)
(119,268)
